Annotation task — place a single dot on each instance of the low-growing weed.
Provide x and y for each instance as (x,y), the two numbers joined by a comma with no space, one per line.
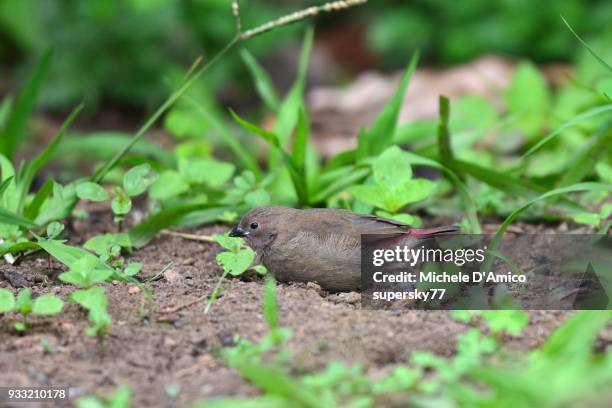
(25,305)
(235,260)
(95,302)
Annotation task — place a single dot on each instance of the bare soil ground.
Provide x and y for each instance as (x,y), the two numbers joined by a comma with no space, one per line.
(151,351)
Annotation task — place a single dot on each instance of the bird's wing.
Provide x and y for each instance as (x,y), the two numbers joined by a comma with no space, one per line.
(370,224)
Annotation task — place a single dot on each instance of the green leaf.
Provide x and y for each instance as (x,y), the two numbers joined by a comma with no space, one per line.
(132,268)
(391,169)
(7,301)
(92,298)
(101,244)
(373,195)
(263,83)
(138,179)
(54,229)
(257,198)
(5,184)
(243,154)
(206,171)
(14,134)
(121,204)
(300,145)
(380,136)
(231,243)
(588,219)
(91,191)
(565,343)
(24,302)
(32,210)
(235,263)
(169,184)
(529,97)
(604,171)
(9,217)
(47,305)
(409,192)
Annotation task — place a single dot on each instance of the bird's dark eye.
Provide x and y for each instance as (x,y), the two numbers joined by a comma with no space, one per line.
(254,225)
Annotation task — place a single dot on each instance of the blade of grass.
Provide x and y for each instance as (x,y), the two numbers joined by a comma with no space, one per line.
(101,173)
(298,178)
(444,144)
(380,136)
(5,185)
(25,103)
(31,210)
(41,160)
(9,217)
(466,196)
(263,83)
(589,49)
(572,122)
(552,193)
(231,140)
(584,161)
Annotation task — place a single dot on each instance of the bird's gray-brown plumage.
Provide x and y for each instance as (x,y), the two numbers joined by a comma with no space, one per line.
(319,245)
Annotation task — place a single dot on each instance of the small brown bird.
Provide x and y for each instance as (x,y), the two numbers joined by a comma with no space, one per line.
(319,245)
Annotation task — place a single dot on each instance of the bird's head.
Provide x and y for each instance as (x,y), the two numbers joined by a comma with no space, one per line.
(260,226)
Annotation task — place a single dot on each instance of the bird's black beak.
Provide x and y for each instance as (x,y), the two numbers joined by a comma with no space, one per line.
(238,232)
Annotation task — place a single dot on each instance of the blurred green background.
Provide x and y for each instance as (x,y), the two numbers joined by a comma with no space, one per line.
(129,52)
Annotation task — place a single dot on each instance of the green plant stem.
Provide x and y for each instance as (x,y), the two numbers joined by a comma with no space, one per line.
(215,293)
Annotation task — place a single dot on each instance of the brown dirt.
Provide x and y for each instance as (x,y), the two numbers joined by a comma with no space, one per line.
(181,348)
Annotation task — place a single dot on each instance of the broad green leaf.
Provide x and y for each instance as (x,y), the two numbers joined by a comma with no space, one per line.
(263,83)
(206,171)
(231,243)
(257,198)
(235,263)
(132,268)
(529,97)
(409,192)
(121,204)
(92,298)
(138,179)
(47,305)
(564,342)
(54,229)
(370,194)
(100,244)
(91,191)
(588,218)
(7,301)
(391,168)
(169,184)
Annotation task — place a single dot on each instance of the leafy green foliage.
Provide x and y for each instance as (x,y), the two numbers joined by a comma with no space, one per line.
(95,301)
(237,259)
(25,305)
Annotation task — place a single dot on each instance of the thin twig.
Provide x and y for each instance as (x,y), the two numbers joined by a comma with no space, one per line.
(193,237)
